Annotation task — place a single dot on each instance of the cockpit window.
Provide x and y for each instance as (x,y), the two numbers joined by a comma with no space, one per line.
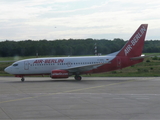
(15,64)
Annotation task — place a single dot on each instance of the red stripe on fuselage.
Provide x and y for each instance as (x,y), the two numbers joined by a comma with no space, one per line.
(114,65)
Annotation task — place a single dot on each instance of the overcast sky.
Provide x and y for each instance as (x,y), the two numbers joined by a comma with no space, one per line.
(77,19)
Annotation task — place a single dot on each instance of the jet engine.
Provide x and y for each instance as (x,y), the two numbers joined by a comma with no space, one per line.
(59,74)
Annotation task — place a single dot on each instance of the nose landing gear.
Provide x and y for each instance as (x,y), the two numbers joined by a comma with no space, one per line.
(21,76)
(22,79)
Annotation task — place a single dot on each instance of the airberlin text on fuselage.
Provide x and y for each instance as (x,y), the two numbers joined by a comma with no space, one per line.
(49,61)
(135,39)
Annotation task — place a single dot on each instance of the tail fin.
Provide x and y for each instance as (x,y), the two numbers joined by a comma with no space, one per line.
(134,47)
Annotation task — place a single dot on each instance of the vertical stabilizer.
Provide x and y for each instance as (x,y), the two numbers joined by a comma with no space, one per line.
(134,47)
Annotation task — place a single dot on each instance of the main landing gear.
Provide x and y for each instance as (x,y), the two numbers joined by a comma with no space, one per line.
(22,79)
(78,78)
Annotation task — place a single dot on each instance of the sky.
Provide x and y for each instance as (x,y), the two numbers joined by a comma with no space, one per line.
(77,19)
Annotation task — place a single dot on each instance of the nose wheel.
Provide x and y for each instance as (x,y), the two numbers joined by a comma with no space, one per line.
(78,78)
(22,79)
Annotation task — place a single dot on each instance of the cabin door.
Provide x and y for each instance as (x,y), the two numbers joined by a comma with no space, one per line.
(118,62)
(26,65)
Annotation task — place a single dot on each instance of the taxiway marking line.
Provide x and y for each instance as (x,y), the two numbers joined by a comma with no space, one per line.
(68,91)
(94,87)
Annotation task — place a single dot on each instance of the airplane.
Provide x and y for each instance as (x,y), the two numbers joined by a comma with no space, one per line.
(64,67)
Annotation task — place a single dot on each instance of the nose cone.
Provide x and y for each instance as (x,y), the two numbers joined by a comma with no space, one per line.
(8,69)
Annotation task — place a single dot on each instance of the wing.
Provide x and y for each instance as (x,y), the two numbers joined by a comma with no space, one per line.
(84,67)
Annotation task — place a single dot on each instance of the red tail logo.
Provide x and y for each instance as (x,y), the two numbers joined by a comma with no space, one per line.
(134,46)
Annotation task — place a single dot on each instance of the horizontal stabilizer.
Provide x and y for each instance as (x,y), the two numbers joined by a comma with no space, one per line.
(141,57)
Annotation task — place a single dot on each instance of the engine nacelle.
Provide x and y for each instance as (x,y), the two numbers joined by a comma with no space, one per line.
(59,74)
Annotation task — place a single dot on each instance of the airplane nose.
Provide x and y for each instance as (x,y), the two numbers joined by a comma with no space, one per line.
(8,69)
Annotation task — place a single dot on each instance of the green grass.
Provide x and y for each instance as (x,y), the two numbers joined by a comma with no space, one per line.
(152,54)
(149,68)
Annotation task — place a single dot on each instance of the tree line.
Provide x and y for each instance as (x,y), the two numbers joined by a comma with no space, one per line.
(68,47)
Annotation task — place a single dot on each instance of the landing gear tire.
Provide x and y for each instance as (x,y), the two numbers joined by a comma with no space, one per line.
(22,79)
(78,78)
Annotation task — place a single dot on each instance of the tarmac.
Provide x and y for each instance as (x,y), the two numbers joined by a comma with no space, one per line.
(93,98)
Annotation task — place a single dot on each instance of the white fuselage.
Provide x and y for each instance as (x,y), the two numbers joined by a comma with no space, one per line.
(46,65)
